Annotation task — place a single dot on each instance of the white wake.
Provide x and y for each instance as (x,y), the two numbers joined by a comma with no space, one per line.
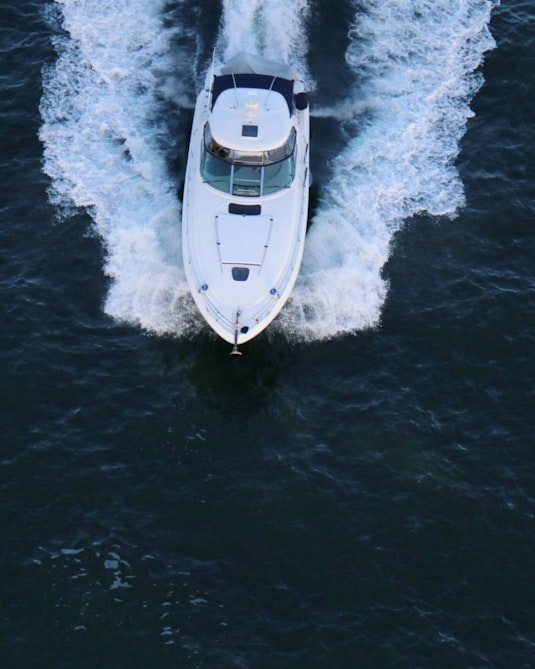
(415,67)
(417,64)
(104,152)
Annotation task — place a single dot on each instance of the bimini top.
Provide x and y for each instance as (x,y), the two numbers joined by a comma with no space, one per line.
(252,104)
(248,63)
(259,81)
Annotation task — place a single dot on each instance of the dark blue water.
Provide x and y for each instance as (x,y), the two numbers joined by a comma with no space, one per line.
(356,491)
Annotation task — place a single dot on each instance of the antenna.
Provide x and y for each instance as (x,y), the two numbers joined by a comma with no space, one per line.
(211,80)
(269,91)
(235,89)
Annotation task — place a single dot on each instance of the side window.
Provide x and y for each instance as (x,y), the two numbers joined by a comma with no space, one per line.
(279,175)
(215,171)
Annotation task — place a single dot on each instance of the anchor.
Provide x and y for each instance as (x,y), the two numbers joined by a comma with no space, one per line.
(236,330)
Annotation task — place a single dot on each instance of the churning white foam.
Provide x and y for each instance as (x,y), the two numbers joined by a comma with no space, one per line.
(417,64)
(104,151)
(275,29)
(104,145)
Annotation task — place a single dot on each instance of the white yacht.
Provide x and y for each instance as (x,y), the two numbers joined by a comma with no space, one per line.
(245,202)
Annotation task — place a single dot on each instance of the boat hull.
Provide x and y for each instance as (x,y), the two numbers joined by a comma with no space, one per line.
(242,251)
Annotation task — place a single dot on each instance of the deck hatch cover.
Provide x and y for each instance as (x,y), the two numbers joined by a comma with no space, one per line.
(242,240)
(240,273)
(249,131)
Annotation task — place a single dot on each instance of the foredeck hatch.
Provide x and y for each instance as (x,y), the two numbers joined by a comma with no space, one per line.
(242,240)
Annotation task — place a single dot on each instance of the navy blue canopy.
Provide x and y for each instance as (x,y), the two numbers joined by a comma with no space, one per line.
(283,86)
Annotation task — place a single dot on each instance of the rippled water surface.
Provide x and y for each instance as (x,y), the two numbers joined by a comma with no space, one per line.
(358,489)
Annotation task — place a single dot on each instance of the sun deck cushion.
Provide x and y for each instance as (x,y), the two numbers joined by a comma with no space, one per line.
(248,209)
(242,240)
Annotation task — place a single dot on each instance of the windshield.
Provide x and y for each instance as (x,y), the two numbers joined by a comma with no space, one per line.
(249,157)
(248,173)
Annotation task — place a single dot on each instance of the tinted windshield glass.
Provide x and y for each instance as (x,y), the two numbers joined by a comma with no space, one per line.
(246,173)
(249,157)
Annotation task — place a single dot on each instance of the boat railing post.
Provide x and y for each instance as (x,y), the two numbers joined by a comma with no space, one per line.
(211,89)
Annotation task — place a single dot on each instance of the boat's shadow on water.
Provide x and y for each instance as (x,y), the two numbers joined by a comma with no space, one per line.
(231,384)
(237,384)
